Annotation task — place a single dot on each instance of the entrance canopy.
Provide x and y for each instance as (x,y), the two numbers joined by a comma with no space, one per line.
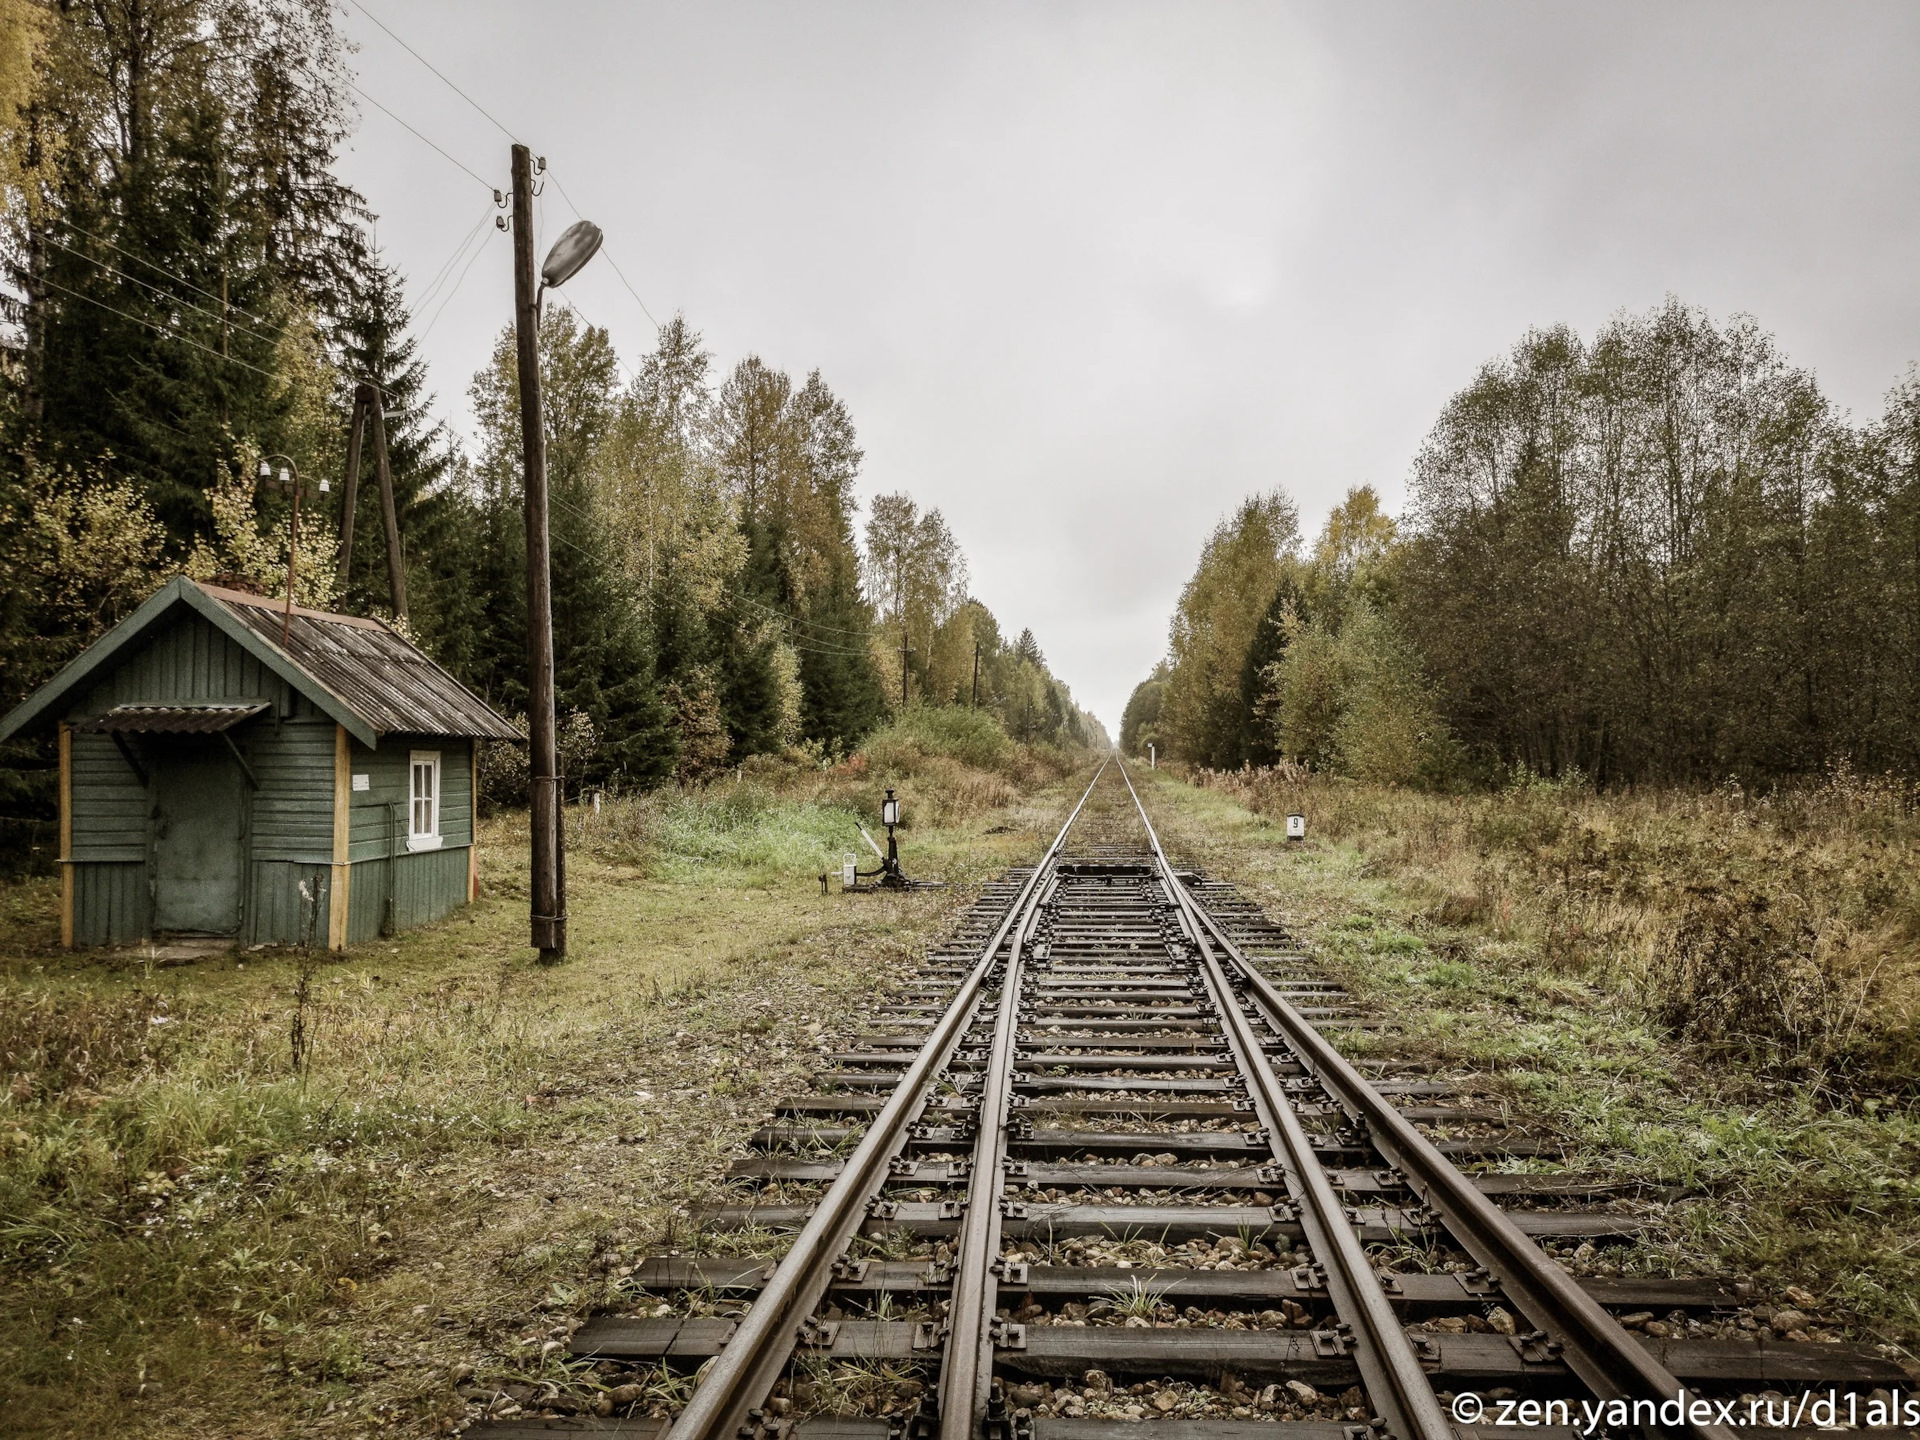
(169,719)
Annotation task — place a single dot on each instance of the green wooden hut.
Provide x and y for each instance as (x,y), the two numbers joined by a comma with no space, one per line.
(219,780)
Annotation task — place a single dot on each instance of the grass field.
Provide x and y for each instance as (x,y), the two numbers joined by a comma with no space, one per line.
(268,1194)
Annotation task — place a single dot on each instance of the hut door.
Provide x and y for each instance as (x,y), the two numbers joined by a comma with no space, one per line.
(197,822)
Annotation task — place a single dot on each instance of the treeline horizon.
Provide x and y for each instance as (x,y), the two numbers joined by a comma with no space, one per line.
(1656,556)
(193,287)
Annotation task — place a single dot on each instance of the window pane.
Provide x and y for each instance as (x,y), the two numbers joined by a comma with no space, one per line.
(424,788)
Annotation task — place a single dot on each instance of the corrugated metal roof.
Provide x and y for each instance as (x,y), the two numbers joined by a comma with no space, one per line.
(374,671)
(170,719)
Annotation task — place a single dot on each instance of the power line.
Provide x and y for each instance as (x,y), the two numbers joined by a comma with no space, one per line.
(604,251)
(198,310)
(170,334)
(574,306)
(826,631)
(490,187)
(480,250)
(820,629)
(155,265)
(446,266)
(810,644)
(436,70)
(493,120)
(143,284)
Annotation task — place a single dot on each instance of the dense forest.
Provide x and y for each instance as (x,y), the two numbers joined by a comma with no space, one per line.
(190,287)
(1656,556)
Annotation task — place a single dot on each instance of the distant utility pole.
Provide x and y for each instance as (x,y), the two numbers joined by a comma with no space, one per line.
(975,702)
(903,660)
(549,863)
(370,410)
(291,484)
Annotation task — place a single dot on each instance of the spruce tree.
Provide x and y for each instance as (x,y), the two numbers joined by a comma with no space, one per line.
(603,658)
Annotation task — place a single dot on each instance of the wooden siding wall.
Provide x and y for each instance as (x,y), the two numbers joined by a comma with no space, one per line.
(293,808)
(109,804)
(428,885)
(187,661)
(424,884)
(278,913)
(289,749)
(387,775)
(110,904)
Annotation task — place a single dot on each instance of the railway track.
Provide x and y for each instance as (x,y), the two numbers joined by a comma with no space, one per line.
(1101,1165)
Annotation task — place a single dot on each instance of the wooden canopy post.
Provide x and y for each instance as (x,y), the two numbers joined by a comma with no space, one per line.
(66,835)
(339,888)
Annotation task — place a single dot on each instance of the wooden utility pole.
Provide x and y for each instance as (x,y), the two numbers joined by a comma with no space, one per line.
(389,518)
(903,660)
(368,409)
(976,675)
(549,886)
(350,500)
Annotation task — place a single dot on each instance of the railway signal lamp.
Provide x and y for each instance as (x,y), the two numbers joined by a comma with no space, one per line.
(890,816)
(1296,827)
(889,876)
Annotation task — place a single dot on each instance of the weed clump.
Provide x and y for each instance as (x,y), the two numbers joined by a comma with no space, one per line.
(72,1044)
(1750,974)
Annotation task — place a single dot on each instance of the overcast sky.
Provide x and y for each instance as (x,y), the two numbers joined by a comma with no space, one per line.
(1088,274)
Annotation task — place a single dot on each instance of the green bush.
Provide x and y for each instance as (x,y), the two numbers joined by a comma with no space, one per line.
(926,733)
(741,825)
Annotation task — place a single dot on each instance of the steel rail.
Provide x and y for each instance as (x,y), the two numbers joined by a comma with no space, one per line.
(1398,1387)
(745,1371)
(966,1370)
(1596,1347)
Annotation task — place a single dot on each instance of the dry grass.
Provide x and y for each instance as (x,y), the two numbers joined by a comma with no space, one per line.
(1780,931)
(200,1236)
(1518,941)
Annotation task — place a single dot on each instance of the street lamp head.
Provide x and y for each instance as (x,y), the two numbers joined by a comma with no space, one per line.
(266,470)
(285,478)
(578,244)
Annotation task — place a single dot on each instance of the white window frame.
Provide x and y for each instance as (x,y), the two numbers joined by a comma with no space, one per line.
(418,838)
